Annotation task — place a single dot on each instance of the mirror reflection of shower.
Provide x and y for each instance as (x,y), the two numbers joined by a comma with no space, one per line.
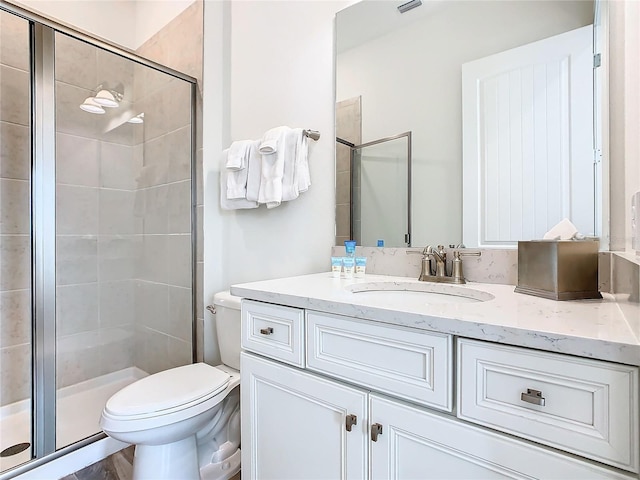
(382,165)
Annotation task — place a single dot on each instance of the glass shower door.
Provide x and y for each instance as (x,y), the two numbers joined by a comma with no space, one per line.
(96,231)
(123,228)
(15,243)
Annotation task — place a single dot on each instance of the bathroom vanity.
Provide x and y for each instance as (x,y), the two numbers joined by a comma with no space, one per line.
(387,377)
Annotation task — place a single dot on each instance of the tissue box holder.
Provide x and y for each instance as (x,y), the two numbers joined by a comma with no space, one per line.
(559,270)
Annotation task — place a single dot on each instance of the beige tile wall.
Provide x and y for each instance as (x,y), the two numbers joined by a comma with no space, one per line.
(15,248)
(179,46)
(124,242)
(349,128)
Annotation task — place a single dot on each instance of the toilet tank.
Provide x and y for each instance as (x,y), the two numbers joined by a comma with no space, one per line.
(228,326)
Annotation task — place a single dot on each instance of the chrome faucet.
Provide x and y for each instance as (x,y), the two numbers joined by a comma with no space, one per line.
(439,274)
(440,257)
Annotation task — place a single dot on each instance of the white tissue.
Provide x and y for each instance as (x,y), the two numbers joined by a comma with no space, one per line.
(564,230)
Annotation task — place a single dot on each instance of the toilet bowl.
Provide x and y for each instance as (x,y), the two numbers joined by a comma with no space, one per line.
(185,421)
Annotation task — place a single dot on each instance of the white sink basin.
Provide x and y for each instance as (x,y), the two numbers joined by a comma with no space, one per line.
(421,293)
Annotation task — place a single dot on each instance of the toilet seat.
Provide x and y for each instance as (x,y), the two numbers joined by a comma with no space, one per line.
(162,395)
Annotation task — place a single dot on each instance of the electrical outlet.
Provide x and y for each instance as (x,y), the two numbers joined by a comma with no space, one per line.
(635,228)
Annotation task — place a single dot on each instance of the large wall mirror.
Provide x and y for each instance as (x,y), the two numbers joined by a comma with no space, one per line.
(502,100)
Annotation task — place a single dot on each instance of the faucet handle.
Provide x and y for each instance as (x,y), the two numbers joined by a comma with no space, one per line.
(456,269)
(458,254)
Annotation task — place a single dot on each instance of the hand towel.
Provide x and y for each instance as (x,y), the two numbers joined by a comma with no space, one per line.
(226,203)
(236,186)
(269,144)
(238,155)
(289,176)
(236,164)
(303,177)
(272,168)
(254,169)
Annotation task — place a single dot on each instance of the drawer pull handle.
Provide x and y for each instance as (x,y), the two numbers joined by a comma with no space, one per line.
(350,422)
(376,429)
(266,331)
(533,396)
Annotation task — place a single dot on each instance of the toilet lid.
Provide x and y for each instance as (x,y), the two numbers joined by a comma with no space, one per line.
(168,389)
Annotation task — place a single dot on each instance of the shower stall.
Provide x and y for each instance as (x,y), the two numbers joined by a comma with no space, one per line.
(96,231)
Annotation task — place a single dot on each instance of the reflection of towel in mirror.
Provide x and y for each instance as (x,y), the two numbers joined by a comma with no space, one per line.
(236,165)
(272,167)
(254,169)
(227,203)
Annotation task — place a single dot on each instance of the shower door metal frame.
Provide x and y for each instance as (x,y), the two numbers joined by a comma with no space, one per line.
(43,238)
(43,220)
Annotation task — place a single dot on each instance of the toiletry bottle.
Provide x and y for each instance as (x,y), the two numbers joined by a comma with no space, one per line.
(348,266)
(336,267)
(350,248)
(380,243)
(361,266)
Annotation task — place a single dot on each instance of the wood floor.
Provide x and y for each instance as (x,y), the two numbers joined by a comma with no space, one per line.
(118,466)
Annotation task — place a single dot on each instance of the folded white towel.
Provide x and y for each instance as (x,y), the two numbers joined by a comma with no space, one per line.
(238,155)
(254,169)
(272,168)
(303,177)
(269,144)
(227,203)
(289,176)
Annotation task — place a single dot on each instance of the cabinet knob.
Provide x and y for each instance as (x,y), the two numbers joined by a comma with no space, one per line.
(350,421)
(266,331)
(376,429)
(533,396)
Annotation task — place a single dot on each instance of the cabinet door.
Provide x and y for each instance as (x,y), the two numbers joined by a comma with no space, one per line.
(417,444)
(294,424)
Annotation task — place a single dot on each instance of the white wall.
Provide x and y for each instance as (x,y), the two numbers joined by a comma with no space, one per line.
(279,72)
(410,79)
(128,23)
(113,21)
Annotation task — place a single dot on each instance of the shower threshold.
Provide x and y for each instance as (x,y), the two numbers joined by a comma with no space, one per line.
(78,411)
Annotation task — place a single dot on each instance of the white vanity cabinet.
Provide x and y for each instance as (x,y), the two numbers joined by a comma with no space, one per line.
(294,424)
(417,443)
(580,405)
(374,401)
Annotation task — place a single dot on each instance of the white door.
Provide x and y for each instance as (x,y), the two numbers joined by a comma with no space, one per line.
(528,140)
(294,425)
(416,444)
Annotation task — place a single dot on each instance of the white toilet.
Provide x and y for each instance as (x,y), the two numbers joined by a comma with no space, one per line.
(185,422)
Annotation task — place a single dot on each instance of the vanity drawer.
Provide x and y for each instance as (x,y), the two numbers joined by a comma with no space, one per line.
(406,363)
(584,406)
(274,331)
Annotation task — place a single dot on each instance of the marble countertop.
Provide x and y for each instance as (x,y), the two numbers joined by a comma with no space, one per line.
(606,329)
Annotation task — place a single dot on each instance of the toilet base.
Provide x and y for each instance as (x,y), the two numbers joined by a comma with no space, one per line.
(222,470)
(167,462)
